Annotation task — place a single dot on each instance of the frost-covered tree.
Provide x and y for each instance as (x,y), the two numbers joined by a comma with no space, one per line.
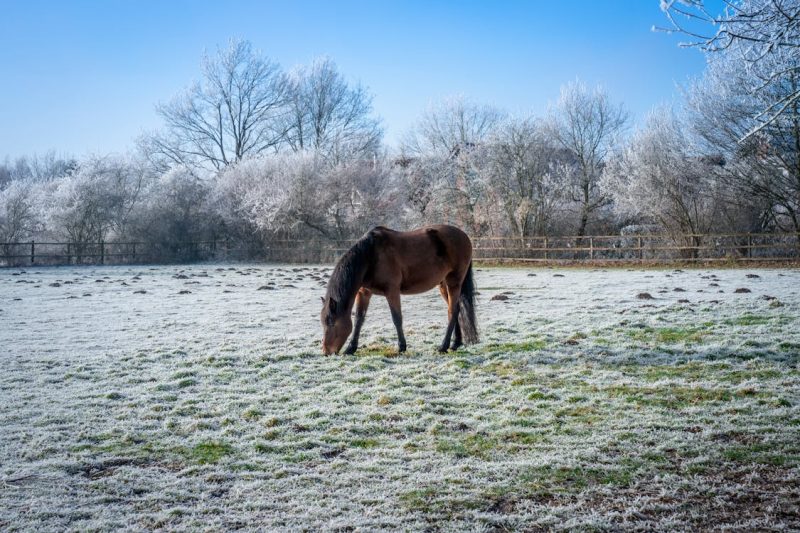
(302,194)
(762,170)
(18,217)
(237,110)
(253,195)
(525,174)
(452,127)
(94,202)
(360,194)
(175,210)
(763,36)
(586,123)
(657,178)
(329,116)
(446,148)
(36,168)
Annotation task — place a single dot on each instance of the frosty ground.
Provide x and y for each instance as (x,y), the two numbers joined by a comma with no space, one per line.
(197,398)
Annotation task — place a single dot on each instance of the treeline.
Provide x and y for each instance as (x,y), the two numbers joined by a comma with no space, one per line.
(255,153)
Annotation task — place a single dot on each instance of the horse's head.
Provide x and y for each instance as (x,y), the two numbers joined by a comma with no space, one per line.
(336,325)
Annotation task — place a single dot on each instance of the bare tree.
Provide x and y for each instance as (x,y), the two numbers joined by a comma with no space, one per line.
(448,145)
(237,110)
(586,123)
(329,116)
(361,194)
(454,126)
(37,168)
(764,35)
(762,170)
(524,174)
(656,178)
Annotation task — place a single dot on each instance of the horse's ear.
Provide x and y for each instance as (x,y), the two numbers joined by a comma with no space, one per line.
(332,305)
(322,299)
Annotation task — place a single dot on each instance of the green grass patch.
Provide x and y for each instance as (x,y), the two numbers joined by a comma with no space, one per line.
(748,319)
(461,363)
(789,346)
(501,369)
(541,395)
(188,382)
(675,396)
(378,350)
(253,413)
(209,452)
(571,479)
(688,371)
(444,500)
(475,445)
(579,414)
(525,438)
(532,345)
(763,453)
(364,443)
(667,335)
(267,449)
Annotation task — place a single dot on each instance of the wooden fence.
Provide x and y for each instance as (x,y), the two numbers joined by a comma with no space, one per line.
(762,247)
(644,248)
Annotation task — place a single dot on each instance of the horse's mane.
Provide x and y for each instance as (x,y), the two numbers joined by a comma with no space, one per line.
(348,272)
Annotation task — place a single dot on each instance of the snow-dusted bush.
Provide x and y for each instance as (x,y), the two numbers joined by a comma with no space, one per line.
(93,203)
(175,209)
(657,178)
(18,217)
(300,193)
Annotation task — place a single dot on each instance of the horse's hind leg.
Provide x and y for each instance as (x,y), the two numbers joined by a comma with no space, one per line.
(362,303)
(457,341)
(453,295)
(393,297)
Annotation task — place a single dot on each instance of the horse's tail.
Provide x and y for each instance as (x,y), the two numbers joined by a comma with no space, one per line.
(466,312)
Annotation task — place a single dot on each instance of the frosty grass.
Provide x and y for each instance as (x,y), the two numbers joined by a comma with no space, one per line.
(583,406)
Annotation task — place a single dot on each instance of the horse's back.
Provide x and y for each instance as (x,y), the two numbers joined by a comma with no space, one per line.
(420,259)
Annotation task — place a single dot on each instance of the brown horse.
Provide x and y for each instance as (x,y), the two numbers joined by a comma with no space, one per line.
(390,263)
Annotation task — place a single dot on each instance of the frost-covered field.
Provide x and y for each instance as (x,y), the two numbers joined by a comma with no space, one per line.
(125,403)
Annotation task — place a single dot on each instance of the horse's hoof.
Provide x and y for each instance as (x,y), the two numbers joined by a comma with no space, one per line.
(401,348)
(442,349)
(349,351)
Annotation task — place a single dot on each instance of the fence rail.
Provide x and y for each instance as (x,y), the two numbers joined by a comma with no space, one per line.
(603,248)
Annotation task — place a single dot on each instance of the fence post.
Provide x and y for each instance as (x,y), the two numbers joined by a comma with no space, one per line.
(749,246)
(102,253)
(639,246)
(591,248)
(69,253)
(545,247)
(134,251)
(33,251)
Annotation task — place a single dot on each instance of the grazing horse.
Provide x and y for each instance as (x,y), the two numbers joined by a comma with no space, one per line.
(390,263)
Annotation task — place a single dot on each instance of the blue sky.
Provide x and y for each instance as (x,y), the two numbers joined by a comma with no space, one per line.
(83,77)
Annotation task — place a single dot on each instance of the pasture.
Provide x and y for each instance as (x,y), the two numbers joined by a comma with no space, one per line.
(196,397)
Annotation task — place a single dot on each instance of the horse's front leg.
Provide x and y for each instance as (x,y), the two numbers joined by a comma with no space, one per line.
(393,297)
(362,303)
